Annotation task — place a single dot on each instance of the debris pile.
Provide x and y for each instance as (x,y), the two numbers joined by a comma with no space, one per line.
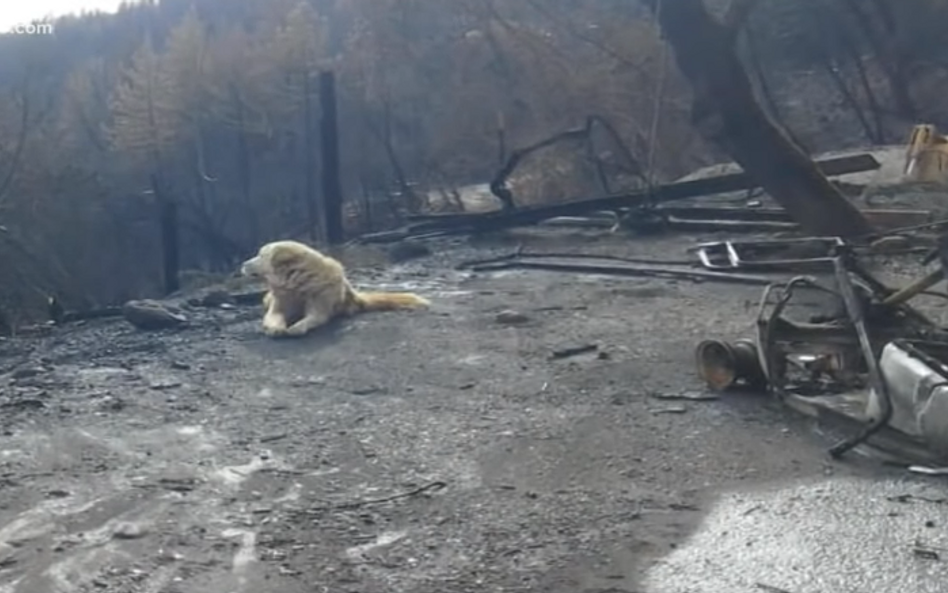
(860,353)
(866,356)
(863,355)
(639,202)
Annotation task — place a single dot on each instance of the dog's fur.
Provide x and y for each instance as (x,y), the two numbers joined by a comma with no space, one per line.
(306,289)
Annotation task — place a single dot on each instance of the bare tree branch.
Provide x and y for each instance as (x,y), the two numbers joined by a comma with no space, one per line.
(201,167)
(875,131)
(498,185)
(20,141)
(884,45)
(565,24)
(631,164)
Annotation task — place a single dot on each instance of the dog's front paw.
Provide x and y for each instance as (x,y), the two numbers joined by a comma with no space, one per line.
(295,330)
(273,331)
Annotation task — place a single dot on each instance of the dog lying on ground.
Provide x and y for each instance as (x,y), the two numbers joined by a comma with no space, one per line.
(306,289)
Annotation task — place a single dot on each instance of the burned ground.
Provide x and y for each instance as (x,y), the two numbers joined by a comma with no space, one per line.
(439,451)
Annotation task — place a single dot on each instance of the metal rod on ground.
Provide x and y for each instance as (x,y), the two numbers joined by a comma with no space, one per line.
(881,289)
(915,288)
(908,229)
(626,270)
(564,255)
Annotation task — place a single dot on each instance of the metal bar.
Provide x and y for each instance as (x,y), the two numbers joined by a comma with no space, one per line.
(625,270)
(915,288)
(663,193)
(857,317)
(733,252)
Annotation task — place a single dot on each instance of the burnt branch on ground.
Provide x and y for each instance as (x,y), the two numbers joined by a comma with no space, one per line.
(498,185)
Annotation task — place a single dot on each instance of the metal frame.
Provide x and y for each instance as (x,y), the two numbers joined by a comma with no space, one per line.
(769,324)
(732,251)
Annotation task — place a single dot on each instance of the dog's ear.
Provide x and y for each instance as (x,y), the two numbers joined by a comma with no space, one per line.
(283,260)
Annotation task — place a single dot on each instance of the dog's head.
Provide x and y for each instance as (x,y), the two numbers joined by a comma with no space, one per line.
(258,265)
(274,261)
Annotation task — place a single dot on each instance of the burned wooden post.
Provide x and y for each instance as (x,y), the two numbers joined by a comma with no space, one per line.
(726,112)
(168,223)
(329,136)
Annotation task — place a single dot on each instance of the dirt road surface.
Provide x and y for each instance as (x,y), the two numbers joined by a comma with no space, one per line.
(438,452)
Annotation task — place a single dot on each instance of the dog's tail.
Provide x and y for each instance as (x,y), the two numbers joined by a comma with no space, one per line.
(389,301)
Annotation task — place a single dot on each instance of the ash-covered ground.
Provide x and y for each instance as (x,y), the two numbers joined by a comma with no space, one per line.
(440,451)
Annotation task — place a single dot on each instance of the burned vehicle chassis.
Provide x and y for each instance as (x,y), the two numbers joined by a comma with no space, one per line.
(868,359)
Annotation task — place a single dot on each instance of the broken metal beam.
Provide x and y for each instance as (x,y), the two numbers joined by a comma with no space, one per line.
(464,223)
(700,217)
(730,226)
(663,193)
(617,269)
(897,219)
(883,218)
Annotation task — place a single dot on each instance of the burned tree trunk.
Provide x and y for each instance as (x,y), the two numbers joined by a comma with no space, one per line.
(726,112)
(309,158)
(244,168)
(168,222)
(383,131)
(889,56)
(329,137)
(19,146)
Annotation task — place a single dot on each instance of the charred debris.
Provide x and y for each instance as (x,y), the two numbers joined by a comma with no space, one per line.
(832,340)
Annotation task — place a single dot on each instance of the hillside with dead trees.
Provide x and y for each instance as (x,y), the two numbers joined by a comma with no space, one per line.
(207,113)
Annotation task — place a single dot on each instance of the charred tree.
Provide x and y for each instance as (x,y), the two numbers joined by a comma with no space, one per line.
(870,117)
(883,40)
(309,160)
(383,131)
(168,222)
(244,167)
(726,112)
(329,137)
(10,174)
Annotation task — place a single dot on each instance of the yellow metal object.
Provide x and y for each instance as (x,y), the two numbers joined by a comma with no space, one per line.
(926,157)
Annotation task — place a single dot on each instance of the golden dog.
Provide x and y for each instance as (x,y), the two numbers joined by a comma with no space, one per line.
(306,289)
